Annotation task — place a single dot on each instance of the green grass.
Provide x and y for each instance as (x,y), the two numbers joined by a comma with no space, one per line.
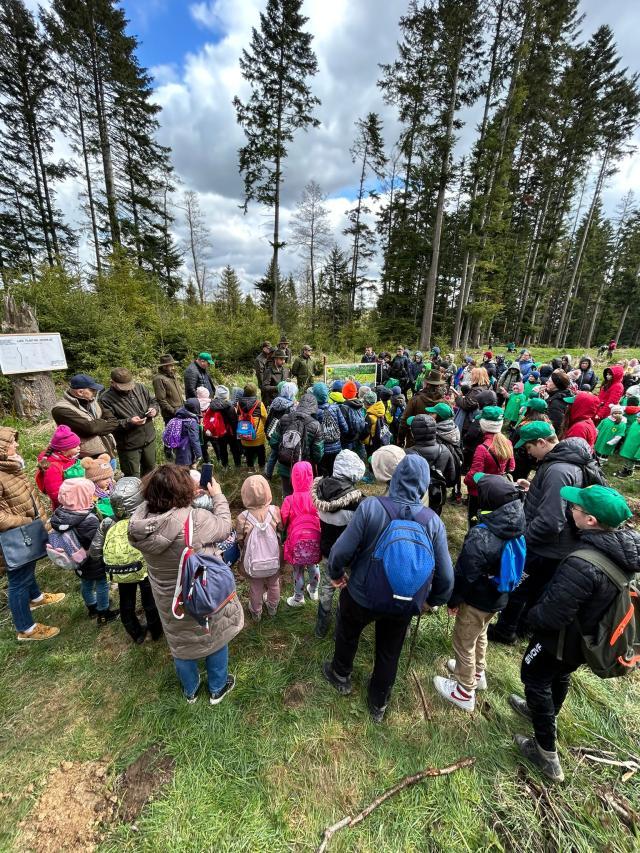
(285,756)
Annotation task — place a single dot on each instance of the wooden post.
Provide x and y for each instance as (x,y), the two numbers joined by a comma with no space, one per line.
(34,394)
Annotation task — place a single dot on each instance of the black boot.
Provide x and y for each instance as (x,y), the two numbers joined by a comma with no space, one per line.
(497,636)
(93,611)
(625,472)
(106,616)
(154,628)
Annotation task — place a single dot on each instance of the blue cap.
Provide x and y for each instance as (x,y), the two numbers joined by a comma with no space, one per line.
(81,380)
(337,385)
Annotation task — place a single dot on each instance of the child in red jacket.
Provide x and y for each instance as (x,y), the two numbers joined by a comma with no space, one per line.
(62,452)
(578,418)
(493,456)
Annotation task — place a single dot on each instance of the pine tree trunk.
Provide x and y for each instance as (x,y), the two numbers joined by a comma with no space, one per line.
(25,235)
(583,242)
(132,190)
(105,144)
(432,275)
(34,394)
(47,194)
(623,320)
(87,172)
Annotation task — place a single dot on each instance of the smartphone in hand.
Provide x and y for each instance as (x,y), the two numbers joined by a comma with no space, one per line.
(206,475)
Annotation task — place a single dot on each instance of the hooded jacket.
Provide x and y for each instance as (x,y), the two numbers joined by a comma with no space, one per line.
(587,377)
(374,413)
(418,405)
(160,539)
(303,419)
(228,412)
(580,593)
(526,366)
(426,444)
(472,434)
(486,462)
(256,499)
(507,380)
(354,548)
(613,394)
(579,418)
(557,407)
(550,529)
(85,525)
(336,413)
(336,498)
(447,432)
(354,416)
(480,557)
(189,449)
(299,515)
(53,464)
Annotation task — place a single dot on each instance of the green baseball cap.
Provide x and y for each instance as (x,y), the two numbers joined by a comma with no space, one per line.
(536,404)
(206,356)
(490,413)
(606,504)
(535,430)
(442,410)
(569,400)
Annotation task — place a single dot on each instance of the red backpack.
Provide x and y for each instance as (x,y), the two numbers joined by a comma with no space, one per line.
(213,423)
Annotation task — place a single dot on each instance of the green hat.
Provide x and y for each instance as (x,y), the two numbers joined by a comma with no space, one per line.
(534,431)
(536,404)
(206,356)
(490,413)
(478,476)
(607,505)
(442,410)
(410,421)
(569,400)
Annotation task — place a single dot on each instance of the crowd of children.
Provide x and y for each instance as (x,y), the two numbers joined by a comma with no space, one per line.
(488,425)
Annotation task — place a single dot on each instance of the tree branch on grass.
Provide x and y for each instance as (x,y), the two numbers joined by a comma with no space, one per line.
(407,782)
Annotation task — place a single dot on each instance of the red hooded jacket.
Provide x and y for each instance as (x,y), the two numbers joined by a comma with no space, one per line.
(580,418)
(613,394)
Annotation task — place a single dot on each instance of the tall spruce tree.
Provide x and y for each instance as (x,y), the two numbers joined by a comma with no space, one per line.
(311,233)
(229,295)
(276,67)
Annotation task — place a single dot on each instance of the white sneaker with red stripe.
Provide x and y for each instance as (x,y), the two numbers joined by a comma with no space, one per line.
(481,677)
(450,690)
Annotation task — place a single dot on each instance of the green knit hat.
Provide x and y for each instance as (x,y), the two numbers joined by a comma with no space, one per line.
(606,504)
(535,430)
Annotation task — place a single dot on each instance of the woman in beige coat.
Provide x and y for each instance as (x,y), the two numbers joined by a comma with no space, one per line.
(157,530)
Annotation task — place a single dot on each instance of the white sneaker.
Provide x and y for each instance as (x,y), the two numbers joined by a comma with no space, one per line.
(313,595)
(481,680)
(450,690)
(292,601)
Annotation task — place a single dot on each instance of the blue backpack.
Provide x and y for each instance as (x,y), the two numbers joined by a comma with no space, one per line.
(403,563)
(512,559)
(205,583)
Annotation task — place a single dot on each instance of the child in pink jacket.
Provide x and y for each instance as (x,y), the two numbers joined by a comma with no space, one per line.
(302,525)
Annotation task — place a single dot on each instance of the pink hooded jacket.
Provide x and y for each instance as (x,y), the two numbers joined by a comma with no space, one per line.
(299,515)
(611,395)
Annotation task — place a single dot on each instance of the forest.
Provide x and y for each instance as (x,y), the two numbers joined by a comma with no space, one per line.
(507,241)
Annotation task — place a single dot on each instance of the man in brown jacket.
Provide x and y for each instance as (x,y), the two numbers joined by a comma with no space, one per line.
(80,411)
(134,409)
(168,390)
(432,392)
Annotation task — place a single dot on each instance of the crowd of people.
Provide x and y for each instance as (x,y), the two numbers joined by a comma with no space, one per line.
(548,546)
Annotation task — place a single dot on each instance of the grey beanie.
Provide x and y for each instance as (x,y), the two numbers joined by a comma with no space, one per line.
(222,392)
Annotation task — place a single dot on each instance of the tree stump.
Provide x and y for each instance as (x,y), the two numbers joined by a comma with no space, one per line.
(33,393)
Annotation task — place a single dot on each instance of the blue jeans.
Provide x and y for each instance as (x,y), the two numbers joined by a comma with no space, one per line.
(23,588)
(95,592)
(217,666)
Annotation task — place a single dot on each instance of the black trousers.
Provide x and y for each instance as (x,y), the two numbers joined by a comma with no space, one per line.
(390,633)
(221,447)
(252,452)
(325,465)
(539,571)
(128,594)
(546,684)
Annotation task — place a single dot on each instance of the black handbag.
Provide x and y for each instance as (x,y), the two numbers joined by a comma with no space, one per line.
(25,544)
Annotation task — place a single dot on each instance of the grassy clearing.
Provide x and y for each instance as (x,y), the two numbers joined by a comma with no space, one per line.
(285,756)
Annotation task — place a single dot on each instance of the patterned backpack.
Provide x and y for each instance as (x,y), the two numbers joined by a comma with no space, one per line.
(172,435)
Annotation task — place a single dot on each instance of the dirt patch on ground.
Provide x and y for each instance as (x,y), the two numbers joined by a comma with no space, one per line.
(141,781)
(296,693)
(71,810)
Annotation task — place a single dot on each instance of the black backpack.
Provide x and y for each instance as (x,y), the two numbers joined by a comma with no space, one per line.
(292,445)
(615,649)
(593,474)
(437,485)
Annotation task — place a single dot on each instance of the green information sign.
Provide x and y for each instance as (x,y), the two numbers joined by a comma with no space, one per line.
(365,374)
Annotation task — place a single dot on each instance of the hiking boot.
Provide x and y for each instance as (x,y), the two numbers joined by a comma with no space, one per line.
(255,616)
(216,698)
(107,616)
(292,601)
(313,593)
(520,706)
(377,714)
(47,598)
(544,760)
(623,473)
(323,620)
(481,678)
(38,632)
(497,636)
(450,690)
(92,611)
(341,683)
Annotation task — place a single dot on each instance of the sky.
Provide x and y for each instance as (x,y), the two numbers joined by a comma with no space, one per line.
(192,50)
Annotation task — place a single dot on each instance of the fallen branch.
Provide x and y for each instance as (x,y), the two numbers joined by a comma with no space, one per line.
(603,758)
(407,782)
(423,698)
(620,806)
